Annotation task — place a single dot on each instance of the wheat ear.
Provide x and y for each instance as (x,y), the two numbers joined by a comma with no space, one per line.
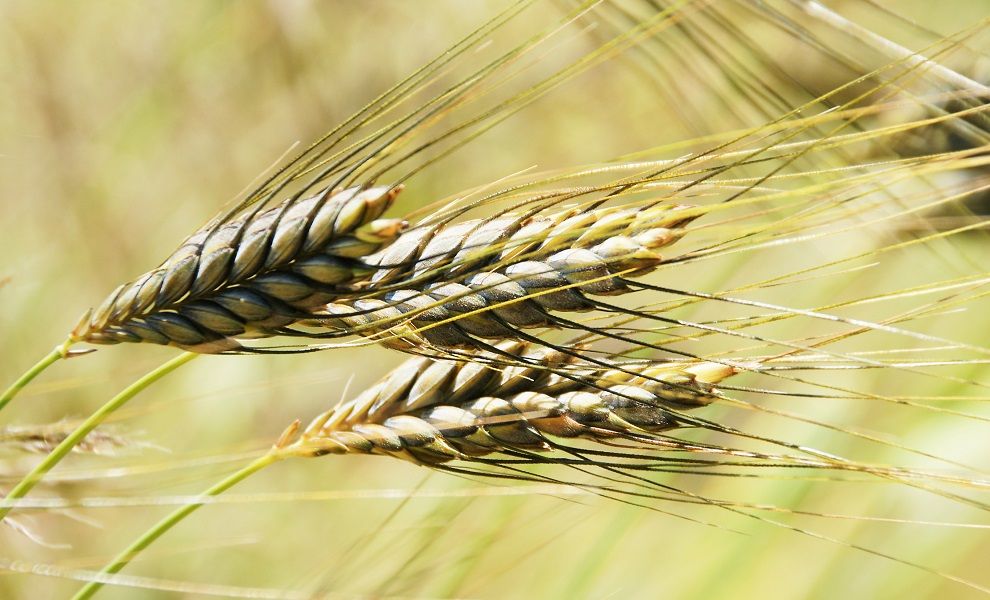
(505,274)
(433,411)
(250,275)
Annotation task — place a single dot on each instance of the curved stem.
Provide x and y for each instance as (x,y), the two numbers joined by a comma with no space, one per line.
(60,351)
(160,528)
(62,450)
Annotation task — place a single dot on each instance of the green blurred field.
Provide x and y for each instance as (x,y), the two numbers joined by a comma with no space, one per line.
(124,125)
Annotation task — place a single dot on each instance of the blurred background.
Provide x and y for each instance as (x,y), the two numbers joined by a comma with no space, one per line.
(125,125)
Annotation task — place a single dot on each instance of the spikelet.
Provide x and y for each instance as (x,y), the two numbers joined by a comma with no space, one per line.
(433,411)
(506,274)
(249,276)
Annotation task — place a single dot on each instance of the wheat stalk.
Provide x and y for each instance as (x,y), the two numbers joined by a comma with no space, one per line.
(512,401)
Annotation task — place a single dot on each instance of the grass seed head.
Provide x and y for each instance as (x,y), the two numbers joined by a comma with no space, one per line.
(540,265)
(433,411)
(249,276)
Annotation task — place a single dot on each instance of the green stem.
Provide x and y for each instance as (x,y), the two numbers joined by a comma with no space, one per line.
(57,353)
(55,456)
(160,528)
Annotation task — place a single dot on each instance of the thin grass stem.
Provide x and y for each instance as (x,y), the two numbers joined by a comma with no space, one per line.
(62,450)
(58,352)
(160,528)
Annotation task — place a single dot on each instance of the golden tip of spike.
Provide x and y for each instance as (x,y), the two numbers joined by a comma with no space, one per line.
(712,372)
(82,327)
(288,435)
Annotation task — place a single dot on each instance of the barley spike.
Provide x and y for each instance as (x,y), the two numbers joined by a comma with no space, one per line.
(513,272)
(249,276)
(432,411)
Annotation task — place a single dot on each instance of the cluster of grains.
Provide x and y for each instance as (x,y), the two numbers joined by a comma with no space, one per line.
(251,275)
(505,274)
(330,260)
(434,411)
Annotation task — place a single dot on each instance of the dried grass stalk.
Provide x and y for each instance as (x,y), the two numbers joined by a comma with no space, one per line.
(249,275)
(41,439)
(504,274)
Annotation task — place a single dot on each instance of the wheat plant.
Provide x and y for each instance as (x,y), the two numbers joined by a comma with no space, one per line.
(695,294)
